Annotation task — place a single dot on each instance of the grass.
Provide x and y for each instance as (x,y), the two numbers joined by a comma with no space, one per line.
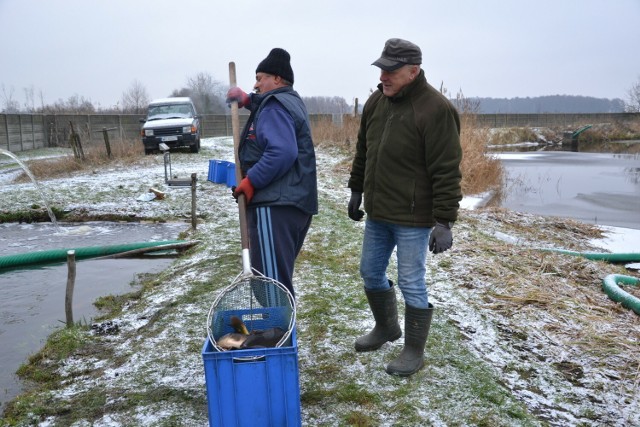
(332,311)
(59,346)
(150,373)
(35,214)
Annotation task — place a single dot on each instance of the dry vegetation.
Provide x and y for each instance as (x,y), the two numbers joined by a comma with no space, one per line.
(479,171)
(611,132)
(124,153)
(599,133)
(325,133)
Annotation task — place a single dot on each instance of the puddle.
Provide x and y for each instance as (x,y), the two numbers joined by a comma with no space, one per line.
(32,300)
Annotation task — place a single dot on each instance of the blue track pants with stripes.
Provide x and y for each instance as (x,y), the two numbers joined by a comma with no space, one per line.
(276,235)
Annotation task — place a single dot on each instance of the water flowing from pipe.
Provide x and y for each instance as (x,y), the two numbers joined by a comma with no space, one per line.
(35,183)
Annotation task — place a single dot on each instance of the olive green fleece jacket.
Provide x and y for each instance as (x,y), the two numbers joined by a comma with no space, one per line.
(407,161)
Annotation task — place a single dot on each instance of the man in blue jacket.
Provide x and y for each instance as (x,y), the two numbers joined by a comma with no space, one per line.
(278,166)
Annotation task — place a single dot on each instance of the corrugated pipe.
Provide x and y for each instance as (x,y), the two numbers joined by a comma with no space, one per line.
(60,255)
(610,283)
(615,292)
(598,256)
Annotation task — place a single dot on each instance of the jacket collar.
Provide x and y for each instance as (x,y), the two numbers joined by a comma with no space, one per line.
(406,91)
(258,98)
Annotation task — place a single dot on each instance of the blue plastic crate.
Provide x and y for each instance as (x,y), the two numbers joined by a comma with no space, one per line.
(231,174)
(254,387)
(218,171)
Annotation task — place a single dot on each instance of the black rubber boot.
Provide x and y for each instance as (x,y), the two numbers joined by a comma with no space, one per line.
(385,312)
(416,331)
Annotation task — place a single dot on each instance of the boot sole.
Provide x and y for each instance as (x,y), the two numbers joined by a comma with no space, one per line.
(362,349)
(403,374)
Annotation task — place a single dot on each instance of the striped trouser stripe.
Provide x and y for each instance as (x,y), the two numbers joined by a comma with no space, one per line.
(267,250)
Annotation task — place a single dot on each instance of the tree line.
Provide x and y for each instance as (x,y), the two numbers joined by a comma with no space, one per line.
(208,94)
(549,104)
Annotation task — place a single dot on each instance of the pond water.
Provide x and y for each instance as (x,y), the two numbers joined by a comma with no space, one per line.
(32,299)
(594,187)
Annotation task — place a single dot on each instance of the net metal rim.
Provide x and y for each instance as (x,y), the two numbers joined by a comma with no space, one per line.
(240,278)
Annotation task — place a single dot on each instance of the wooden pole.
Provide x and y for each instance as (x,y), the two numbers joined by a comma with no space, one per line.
(194,220)
(106,141)
(76,144)
(71,280)
(72,142)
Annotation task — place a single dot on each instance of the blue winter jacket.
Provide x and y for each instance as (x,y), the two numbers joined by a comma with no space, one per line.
(276,151)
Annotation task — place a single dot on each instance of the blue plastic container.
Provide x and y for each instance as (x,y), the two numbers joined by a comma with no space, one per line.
(218,171)
(231,174)
(253,388)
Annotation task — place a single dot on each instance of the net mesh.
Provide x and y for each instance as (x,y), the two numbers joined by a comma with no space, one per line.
(260,302)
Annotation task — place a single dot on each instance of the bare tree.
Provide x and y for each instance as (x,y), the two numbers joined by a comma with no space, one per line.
(135,99)
(633,104)
(326,105)
(9,104)
(74,105)
(207,93)
(29,96)
(185,91)
(41,96)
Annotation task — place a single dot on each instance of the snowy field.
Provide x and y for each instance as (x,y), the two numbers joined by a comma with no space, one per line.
(549,345)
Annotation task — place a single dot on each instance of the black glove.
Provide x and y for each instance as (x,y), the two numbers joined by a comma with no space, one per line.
(355,213)
(233,193)
(441,238)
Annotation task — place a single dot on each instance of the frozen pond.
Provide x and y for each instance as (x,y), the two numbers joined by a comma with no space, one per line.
(32,299)
(597,188)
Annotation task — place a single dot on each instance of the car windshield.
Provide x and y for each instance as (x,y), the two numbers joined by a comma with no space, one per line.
(170,111)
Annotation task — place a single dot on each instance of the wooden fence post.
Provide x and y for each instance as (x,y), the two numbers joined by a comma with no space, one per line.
(6,128)
(21,135)
(106,141)
(71,280)
(194,220)
(76,144)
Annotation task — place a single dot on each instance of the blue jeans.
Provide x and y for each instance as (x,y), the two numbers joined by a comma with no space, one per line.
(380,238)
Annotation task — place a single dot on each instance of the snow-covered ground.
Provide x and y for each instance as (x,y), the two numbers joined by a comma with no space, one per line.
(538,321)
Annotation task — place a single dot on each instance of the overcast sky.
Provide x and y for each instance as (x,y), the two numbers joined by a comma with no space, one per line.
(490,48)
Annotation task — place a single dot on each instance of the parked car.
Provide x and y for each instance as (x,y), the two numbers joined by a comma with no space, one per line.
(173,122)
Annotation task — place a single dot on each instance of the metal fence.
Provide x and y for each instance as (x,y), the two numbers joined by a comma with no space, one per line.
(21,132)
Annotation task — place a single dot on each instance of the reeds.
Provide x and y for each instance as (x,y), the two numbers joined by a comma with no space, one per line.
(480,172)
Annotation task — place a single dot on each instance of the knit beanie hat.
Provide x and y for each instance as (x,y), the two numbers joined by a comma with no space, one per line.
(277,63)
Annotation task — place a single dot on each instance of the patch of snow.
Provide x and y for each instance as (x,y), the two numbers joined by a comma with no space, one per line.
(619,240)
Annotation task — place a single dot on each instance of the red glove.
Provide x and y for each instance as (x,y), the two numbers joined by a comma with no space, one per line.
(237,94)
(245,188)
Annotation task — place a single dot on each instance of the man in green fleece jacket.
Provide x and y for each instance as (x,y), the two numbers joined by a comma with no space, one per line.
(407,167)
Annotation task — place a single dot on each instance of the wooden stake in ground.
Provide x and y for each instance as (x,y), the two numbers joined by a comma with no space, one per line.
(194,220)
(71,280)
